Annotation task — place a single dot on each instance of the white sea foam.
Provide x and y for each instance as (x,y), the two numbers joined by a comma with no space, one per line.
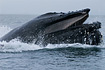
(17,46)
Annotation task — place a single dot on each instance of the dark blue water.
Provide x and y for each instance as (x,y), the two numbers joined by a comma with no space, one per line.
(16,55)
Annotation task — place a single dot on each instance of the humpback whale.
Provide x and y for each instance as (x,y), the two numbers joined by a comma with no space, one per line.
(58,28)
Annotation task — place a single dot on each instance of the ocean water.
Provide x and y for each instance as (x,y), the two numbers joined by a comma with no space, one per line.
(15,55)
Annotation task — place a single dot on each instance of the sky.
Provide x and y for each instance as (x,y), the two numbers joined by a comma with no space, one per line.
(43,6)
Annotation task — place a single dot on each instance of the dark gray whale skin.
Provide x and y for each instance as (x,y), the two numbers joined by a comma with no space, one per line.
(58,28)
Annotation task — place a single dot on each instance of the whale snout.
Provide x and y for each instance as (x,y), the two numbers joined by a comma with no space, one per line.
(86,10)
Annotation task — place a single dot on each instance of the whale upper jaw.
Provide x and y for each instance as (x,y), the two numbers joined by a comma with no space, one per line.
(68,20)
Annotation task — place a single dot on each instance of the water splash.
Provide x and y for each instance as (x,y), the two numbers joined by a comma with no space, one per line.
(4,30)
(17,46)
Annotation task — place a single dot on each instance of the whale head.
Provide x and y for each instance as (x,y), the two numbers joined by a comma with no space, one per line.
(46,24)
(60,21)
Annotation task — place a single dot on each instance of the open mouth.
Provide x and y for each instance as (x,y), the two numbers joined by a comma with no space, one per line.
(72,30)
